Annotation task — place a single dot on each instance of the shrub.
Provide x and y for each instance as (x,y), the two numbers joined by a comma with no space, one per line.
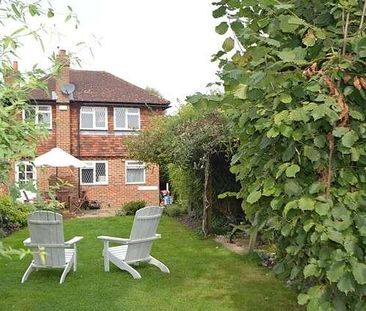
(220,224)
(175,210)
(130,208)
(13,215)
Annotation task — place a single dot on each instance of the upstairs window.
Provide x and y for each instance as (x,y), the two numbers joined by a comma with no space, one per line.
(95,173)
(126,118)
(39,115)
(135,172)
(93,118)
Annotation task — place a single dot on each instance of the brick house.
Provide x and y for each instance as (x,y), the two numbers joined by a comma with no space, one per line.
(89,114)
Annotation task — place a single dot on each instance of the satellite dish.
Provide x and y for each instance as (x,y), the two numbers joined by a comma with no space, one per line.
(67,88)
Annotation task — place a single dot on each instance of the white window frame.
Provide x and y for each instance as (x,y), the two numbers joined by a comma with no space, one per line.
(94,119)
(127,113)
(133,163)
(92,164)
(37,112)
(17,171)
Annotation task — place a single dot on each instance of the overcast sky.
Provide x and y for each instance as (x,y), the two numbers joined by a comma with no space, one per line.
(164,44)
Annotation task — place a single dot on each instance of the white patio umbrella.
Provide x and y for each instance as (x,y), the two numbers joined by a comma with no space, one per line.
(57,157)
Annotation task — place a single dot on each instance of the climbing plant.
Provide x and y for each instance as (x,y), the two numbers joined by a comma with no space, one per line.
(294,79)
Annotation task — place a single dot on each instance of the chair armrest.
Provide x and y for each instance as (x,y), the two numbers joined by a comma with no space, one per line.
(27,242)
(156,237)
(113,239)
(74,240)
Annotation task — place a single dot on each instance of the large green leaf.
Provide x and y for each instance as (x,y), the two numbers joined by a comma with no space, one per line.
(228,44)
(281,169)
(311,270)
(289,206)
(254,196)
(311,153)
(292,170)
(220,11)
(285,98)
(336,271)
(302,299)
(287,55)
(222,28)
(285,25)
(306,204)
(340,131)
(345,284)
(322,209)
(349,138)
(292,188)
(359,272)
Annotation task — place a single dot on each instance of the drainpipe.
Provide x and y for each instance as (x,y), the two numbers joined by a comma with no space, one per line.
(78,129)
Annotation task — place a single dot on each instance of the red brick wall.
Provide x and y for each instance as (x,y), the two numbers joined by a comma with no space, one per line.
(116,192)
(103,143)
(108,147)
(50,141)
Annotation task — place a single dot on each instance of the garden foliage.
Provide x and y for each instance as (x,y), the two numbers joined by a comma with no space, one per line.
(189,143)
(294,78)
(130,208)
(21,21)
(13,215)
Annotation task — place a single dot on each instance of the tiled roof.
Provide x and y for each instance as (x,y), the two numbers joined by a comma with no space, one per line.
(101,86)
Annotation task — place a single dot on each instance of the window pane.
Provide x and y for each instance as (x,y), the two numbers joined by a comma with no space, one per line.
(25,172)
(133,122)
(30,114)
(21,176)
(100,114)
(86,120)
(44,108)
(135,175)
(86,109)
(133,110)
(120,117)
(87,175)
(44,118)
(100,172)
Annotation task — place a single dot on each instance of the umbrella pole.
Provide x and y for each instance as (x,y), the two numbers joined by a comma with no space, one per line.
(79,186)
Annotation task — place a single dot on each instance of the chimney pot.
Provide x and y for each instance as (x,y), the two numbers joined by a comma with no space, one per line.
(63,58)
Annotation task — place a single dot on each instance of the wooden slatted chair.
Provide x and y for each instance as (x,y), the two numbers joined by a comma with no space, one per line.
(137,248)
(46,232)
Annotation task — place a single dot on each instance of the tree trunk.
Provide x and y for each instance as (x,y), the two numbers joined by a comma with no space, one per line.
(207,198)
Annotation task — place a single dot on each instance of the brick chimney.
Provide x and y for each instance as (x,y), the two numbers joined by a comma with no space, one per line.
(62,123)
(62,60)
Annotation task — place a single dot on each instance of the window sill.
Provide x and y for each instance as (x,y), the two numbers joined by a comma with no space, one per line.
(94,132)
(125,132)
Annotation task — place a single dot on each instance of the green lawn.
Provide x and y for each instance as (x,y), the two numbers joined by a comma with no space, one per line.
(204,276)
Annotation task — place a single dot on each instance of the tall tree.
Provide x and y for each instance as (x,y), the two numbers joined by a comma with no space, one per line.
(189,140)
(294,78)
(19,21)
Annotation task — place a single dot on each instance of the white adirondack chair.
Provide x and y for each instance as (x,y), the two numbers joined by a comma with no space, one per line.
(137,248)
(46,231)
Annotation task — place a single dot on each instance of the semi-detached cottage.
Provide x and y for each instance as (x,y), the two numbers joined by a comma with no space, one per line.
(91,123)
